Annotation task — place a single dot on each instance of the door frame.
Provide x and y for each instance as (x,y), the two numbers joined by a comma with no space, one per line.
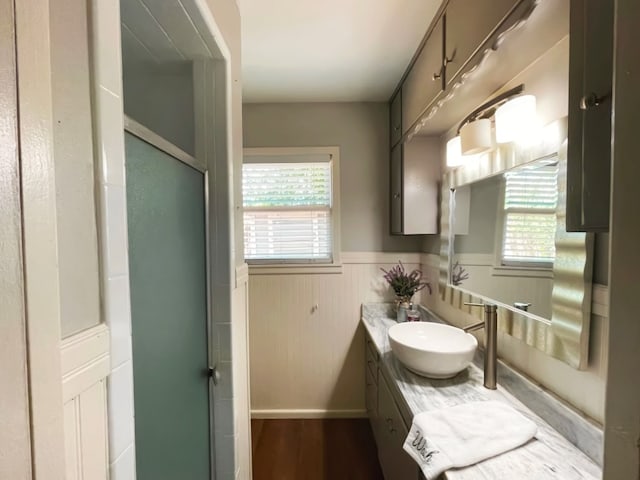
(39,238)
(14,401)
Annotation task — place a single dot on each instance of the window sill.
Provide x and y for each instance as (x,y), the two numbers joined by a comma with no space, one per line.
(296,269)
(511,271)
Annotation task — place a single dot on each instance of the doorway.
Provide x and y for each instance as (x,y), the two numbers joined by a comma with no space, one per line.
(170,62)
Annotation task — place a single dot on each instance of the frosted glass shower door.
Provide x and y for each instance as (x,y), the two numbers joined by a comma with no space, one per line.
(168,280)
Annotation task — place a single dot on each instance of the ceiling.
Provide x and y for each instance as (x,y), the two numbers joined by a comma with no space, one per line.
(329,50)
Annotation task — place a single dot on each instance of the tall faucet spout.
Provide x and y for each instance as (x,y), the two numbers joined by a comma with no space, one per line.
(490,325)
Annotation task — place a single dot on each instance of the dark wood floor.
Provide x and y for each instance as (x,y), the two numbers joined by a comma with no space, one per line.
(334,449)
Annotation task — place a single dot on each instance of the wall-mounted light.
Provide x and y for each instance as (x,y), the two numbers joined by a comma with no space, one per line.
(454,152)
(476,137)
(516,119)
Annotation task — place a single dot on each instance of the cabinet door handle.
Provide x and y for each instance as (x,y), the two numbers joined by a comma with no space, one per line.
(448,60)
(591,100)
(396,195)
(437,76)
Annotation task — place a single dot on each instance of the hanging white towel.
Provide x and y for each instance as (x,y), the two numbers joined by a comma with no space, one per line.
(464,435)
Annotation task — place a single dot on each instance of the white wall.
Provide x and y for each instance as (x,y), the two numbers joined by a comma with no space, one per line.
(361,130)
(306,341)
(318,369)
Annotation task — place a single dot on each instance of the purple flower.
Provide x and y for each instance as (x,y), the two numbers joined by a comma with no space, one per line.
(404,284)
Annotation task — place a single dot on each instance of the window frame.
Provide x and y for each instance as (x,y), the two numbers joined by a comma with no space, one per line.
(278,155)
(515,267)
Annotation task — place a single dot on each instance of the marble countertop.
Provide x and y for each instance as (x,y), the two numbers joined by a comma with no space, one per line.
(548,456)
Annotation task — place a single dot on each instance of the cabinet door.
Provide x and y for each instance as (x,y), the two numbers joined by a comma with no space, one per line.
(396,118)
(468,24)
(396,189)
(589,146)
(424,82)
(396,463)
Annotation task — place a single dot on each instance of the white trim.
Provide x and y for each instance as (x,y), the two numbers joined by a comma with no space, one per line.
(40,237)
(85,360)
(334,154)
(152,138)
(295,269)
(307,413)
(380,257)
(242,274)
(85,367)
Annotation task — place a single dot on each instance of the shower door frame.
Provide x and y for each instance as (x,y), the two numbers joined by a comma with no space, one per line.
(149,136)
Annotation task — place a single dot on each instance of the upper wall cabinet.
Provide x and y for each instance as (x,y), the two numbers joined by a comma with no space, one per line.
(467,26)
(396,119)
(472,48)
(415,175)
(425,79)
(590,87)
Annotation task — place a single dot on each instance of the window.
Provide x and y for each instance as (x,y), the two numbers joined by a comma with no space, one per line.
(530,200)
(289,204)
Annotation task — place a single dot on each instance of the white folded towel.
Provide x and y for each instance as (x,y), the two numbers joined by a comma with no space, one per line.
(466,434)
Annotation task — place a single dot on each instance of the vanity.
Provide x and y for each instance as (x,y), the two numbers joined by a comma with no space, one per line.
(394,395)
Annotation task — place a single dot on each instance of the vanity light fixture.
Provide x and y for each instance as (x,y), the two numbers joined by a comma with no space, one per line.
(475,130)
(476,137)
(516,119)
(454,152)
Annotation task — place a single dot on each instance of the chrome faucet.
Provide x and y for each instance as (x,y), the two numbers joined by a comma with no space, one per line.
(490,324)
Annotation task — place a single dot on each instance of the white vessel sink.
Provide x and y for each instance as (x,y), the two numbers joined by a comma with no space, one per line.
(431,349)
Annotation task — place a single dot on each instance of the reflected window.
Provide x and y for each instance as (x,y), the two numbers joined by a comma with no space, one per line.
(530,201)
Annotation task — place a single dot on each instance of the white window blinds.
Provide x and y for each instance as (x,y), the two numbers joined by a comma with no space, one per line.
(531,197)
(287,211)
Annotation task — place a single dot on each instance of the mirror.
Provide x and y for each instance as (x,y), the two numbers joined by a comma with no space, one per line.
(504,241)
(504,230)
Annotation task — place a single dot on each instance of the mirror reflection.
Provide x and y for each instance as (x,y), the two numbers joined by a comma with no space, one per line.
(504,230)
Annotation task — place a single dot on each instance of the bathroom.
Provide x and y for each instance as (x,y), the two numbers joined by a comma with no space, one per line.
(308,350)
(224,214)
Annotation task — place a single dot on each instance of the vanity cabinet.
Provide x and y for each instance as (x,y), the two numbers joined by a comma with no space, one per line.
(589,135)
(414,180)
(388,425)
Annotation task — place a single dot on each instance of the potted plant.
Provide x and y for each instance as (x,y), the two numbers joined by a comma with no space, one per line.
(405,285)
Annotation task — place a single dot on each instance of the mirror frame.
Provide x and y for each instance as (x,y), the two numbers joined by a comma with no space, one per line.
(566,335)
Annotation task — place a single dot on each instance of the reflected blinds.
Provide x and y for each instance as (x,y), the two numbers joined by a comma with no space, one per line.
(287,211)
(531,197)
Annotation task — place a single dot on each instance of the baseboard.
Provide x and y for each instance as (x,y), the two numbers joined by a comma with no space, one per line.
(308,413)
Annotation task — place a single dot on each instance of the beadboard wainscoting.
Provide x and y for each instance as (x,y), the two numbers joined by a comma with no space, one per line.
(85,367)
(556,376)
(306,342)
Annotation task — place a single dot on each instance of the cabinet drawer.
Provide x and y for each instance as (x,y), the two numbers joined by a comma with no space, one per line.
(396,463)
